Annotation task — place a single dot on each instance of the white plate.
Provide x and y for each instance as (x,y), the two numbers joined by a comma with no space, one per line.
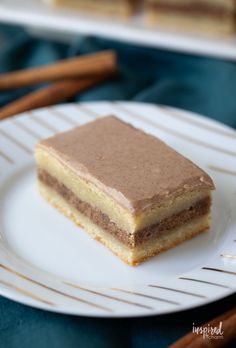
(48,262)
(36,14)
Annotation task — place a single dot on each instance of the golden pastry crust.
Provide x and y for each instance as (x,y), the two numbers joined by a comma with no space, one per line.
(120,8)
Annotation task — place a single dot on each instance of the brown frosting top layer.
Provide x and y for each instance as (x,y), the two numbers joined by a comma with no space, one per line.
(134,168)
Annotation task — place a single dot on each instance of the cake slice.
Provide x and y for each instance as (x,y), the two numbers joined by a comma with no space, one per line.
(207,17)
(127,188)
(119,8)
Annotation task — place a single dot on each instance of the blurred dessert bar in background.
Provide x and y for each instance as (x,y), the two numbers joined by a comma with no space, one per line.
(211,17)
(119,8)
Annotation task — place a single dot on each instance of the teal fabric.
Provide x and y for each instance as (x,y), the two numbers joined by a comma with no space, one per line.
(202,85)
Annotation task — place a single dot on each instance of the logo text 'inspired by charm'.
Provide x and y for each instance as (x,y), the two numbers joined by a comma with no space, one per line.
(209,331)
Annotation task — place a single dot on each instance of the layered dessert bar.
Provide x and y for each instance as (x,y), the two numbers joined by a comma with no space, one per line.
(204,16)
(119,8)
(128,189)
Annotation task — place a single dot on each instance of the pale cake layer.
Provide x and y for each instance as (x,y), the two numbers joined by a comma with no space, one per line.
(207,17)
(130,256)
(200,208)
(121,8)
(205,25)
(218,9)
(89,193)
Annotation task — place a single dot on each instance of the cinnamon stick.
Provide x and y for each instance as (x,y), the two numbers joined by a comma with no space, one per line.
(87,65)
(55,93)
(193,340)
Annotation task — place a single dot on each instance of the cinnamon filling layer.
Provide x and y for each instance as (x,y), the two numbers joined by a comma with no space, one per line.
(196,8)
(200,208)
